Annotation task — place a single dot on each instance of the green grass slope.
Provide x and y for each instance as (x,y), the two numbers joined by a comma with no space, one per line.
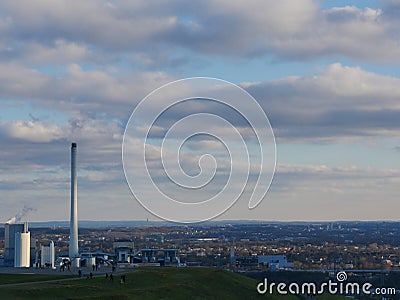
(19,278)
(157,283)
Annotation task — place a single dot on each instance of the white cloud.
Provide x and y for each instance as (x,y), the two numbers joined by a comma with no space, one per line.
(340,171)
(339,102)
(59,51)
(79,92)
(32,131)
(286,29)
(117,25)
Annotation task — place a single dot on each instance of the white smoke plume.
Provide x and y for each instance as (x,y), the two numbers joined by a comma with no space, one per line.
(20,215)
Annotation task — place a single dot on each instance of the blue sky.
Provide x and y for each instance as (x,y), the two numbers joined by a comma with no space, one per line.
(325,72)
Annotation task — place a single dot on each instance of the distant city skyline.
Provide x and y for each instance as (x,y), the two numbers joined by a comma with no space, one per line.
(325,72)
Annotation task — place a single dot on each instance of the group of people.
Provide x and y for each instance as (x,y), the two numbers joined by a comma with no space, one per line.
(65,265)
(108,276)
(111,277)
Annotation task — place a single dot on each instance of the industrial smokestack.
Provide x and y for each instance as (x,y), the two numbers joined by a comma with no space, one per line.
(20,215)
(73,242)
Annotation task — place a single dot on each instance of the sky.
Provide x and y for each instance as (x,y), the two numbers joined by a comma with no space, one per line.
(326,74)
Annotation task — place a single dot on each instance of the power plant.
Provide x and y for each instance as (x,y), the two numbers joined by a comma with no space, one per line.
(73,242)
(20,250)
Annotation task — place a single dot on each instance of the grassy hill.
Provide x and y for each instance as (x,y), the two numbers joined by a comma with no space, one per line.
(157,283)
(20,278)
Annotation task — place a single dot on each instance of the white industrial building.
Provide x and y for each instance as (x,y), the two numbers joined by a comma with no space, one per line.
(22,253)
(47,256)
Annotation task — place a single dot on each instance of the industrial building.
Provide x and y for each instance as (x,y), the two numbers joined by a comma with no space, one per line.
(126,255)
(19,247)
(159,256)
(272,262)
(22,255)
(123,251)
(9,242)
(47,255)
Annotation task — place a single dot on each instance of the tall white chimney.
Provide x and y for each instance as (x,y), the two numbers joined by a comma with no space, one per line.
(73,242)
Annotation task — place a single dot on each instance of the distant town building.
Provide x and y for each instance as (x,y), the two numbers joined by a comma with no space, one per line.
(232,256)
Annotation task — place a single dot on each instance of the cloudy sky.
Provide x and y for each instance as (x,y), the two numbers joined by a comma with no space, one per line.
(327,74)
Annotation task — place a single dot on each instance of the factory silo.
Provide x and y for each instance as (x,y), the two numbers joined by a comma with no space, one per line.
(22,254)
